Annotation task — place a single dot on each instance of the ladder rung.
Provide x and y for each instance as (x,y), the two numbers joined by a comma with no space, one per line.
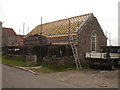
(75,52)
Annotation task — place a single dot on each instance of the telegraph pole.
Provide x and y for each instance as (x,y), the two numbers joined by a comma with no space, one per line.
(41,40)
(41,27)
(68,37)
(69,27)
(23,38)
(28,30)
(23,27)
(19,31)
(109,39)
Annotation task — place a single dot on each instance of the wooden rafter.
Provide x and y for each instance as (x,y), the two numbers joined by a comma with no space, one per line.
(60,27)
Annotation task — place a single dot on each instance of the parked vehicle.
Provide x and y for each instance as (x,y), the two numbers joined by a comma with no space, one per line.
(108,57)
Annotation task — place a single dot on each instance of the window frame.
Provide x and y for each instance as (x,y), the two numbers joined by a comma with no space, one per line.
(93,43)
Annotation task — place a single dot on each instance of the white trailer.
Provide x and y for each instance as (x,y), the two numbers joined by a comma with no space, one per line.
(107,57)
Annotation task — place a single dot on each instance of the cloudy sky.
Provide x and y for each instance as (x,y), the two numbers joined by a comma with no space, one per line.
(14,12)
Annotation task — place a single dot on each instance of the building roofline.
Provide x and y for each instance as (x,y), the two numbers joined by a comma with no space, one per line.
(59,27)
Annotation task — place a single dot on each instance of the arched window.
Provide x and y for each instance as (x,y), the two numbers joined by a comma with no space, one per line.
(93,41)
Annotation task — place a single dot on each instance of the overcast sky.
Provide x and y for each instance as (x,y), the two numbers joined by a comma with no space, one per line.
(14,12)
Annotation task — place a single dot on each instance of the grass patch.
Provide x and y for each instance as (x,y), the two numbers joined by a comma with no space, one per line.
(85,65)
(58,68)
(54,68)
(0,58)
(14,62)
(17,61)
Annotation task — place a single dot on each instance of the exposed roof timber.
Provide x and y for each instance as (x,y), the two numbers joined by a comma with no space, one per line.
(62,35)
(82,24)
(61,26)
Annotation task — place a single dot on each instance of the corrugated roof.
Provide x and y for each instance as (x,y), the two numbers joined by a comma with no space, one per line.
(60,27)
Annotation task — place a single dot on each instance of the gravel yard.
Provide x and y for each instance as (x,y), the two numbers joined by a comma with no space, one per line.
(87,78)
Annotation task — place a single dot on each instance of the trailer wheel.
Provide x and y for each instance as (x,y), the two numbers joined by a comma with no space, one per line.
(112,67)
(92,66)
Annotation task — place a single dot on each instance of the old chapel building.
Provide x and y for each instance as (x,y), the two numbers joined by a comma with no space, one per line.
(87,33)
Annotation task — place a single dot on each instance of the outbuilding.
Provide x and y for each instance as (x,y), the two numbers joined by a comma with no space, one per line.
(85,29)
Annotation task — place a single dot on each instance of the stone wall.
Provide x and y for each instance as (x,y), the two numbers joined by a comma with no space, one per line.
(84,38)
(64,40)
(35,40)
(31,59)
(58,60)
(14,56)
(9,39)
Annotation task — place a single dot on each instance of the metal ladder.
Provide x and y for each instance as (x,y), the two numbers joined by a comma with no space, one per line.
(75,52)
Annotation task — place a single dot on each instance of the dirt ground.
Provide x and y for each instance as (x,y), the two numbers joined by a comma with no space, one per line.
(87,78)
